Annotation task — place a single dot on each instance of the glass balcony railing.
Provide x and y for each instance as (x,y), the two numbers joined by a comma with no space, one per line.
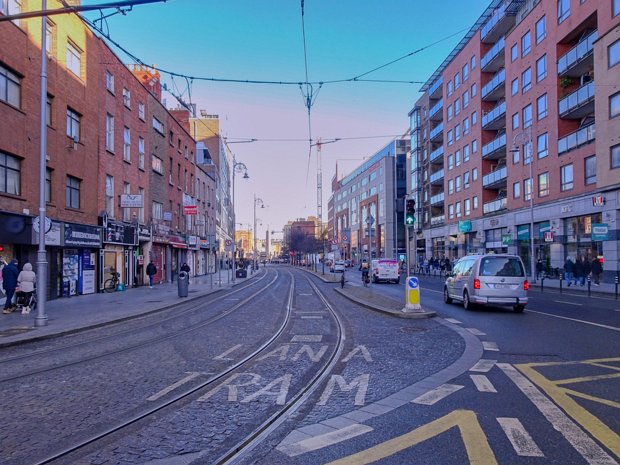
(493,53)
(493,146)
(583,136)
(436,131)
(577,98)
(576,54)
(435,86)
(439,219)
(437,176)
(437,153)
(437,198)
(498,80)
(437,107)
(494,114)
(498,15)
(495,177)
(495,206)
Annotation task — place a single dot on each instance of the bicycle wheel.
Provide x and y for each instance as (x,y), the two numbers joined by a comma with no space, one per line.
(109,285)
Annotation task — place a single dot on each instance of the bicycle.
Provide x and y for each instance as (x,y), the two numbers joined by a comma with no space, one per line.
(365,279)
(111,284)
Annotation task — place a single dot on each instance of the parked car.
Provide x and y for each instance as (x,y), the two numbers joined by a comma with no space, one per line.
(385,270)
(338,266)
(488,280)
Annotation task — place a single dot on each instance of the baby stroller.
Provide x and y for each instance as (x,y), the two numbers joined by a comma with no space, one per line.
(26,301)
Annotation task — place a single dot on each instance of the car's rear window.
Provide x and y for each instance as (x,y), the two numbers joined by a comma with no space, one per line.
(501,266)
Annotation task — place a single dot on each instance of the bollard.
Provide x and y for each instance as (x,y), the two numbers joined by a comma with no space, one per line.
(542,284)
(412,295)
(589,284)
(183,284)
(560,284)
(616,287)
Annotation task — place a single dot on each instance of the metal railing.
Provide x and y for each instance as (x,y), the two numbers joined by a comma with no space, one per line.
(438,83)
(495,206)
(438,106)
(494,114)
(498,79)
(575,139)
(436,130)
(577,53)
(497,16)
(494,145)
(438,198)
(437,153)
(436,176)
(495,176)
(493,53)
(577,98)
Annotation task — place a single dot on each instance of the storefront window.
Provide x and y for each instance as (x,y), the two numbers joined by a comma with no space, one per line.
(578,232)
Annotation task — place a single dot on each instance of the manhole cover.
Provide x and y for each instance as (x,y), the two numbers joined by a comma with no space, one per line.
(412,329)
(13,331)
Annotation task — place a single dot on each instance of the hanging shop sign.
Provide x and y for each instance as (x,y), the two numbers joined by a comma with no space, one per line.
(465,226)
(144,233)
(598,200)
(548,236)
(190,209)
(82,235)
(117,232)
(52,232)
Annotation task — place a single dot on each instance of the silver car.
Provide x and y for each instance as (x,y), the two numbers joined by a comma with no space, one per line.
(488,280)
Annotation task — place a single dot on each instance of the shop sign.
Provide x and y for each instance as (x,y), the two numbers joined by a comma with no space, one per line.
(346,235)
(192,241)
(52,235)
(600,231)
(494,222)
(82,235)
(167,216)
(117,232)
(566,208)
(204,244)
(465,226)
(506,239)
(523,232)
(131,201)
(598,200)
(548,236)
(160,228)
(190,209)
(177,242)
(144,233)
(543,228)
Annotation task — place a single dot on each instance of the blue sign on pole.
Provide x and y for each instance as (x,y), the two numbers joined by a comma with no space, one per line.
(414,283)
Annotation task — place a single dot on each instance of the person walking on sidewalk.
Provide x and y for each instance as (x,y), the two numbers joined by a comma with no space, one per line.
(597,269)
(587,269)
(569,267)
(151,270)
(578,270)
(26,281)
(9,281)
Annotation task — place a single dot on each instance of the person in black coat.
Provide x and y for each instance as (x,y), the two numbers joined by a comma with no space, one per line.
(9,282)
(597,269)
(151,271)
(587,268)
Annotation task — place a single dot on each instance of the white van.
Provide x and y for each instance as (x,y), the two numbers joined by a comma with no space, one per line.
(386,270)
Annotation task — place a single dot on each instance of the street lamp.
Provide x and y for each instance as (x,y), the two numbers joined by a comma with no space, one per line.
(238,167)
(525,137)
(257,201)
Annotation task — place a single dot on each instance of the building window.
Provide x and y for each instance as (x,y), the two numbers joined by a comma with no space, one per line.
(158,126)
(48,110)
(541,68)
(566,175)
(158,210)
(474,174)
(473,62)
(543,184)
(541,107)
(613,53)
(615,7)
(450,137)
(465,99)
(474,146)
(466,153)
(449,88)
(126,211)
(141,110)
(10,174)
(590,170)
(457,107)
(457,158)
(465,72)
(542,145)
(563,10)
(457,81)
(48,185)
(466,180)
(10,86)
(457,132)
(514,86)
(466,126)
(458,209)
(73,124)
(450,162)
(467,207)
(109,81)
(141,153)
(475,202)
(541,29)
(109,195)
(127,144)
(127,97)
(514,52)
(614,105)
(449,112)
(516,189)
(615,156)
(73,192)
(516,156)
(109,132)
(157,165)
(527,116)
(474,89)
(526,44)
(474,118)
(11,7)
(451,186)
(527,189)
(526,80)
(74,59)
(515,121)
(450,211)
(49,38)
(141,209)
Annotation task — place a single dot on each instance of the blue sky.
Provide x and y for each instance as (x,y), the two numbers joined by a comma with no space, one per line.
(262,40)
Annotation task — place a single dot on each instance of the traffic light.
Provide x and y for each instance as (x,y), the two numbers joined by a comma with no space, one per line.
(409,212)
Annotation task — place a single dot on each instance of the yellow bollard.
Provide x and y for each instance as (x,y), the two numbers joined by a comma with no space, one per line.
(412,294)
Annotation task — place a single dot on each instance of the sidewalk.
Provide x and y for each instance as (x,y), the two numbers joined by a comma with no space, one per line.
(68,315)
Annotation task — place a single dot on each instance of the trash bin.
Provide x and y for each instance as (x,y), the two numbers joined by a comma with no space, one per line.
(183,283)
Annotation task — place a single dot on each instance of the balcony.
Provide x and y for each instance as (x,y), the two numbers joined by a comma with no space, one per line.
(437,155)
(436,111)
(576,139)
(495,149)
(502,20)
(436,134)
(437,199)
(495,179)
(578,60)
(493,60)
(436,90)
(437,177)
(437,220)
(495,88)
(495,119)
(495,206)
(579,103)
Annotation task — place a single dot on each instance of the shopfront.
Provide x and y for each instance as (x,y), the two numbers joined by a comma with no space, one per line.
(118,254)
(193,255)
(144,241)
(497,240)
(79,258)
(179,254)
(584,236)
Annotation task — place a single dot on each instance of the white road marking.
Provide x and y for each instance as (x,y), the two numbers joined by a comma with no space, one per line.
(483,365)
(362,350)
(613,328)
(431,290)
(307,338)
(311,317)
(172,387)
(575,436)
(488,345)
(324,440)
(483,384)
(435,395)
(361,383)
(307,312)
(222,356)
(279,393)
(452,320)
(520,439)
(476,332)
(568,303)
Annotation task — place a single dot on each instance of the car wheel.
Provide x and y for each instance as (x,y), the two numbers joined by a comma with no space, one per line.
(518,308)
(466,303)
(446,295)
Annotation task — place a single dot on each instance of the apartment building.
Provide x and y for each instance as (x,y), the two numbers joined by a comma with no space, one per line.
(517,128)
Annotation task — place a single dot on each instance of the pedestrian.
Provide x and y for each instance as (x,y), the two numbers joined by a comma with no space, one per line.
(539,268)
(185,267)
(9,281)
(578,272)
(597,269)
(342,281)
(587,268)
(151,271)
(569,267)
(26,281)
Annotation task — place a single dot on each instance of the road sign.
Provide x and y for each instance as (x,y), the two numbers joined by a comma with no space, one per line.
(370,219)
(412,294)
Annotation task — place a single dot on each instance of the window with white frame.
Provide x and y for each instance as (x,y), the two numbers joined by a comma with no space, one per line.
(466,153)
(141,111)
(566,177)
(457,158)
(49,37)
(590,170)
(141,153)
(11,7)
(157,210)
(563,10)
(73,192)
(109,195)
(10,174)
(127,144)
(109,132)
(126,97)
(467,207)
(542,145)
(541,107)
(458,183)
(158,126)
(157,164)
(526,44)
(74,121)
(109,81)
(126,211)
(141,209)
(74,59)
(10,87)
(543,184)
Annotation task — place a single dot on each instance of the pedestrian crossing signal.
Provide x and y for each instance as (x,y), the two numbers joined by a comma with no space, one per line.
(409,212)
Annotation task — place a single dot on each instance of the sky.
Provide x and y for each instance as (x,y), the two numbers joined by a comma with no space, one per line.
(263,40)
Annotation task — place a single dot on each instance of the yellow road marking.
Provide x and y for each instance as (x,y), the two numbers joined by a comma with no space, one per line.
(476,444)
(584,379)
(607,402)
(560,396)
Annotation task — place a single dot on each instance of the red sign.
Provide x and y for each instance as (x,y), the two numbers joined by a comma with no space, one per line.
(190,209)
(598,200)
(548,236)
